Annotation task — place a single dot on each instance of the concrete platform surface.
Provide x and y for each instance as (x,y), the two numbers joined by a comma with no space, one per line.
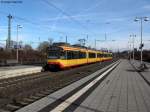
(146,72)
(13,71)
(123,90)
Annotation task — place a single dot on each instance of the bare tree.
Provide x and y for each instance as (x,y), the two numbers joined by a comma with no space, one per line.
(27,47)
(43,46)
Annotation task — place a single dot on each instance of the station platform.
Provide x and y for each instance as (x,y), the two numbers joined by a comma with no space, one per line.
(115,88)
(124,90)
(146,72)
(13,71)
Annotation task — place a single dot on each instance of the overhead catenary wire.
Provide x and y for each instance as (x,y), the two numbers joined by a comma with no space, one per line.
(33,23)
(63,12)
(68,15)
(36,24)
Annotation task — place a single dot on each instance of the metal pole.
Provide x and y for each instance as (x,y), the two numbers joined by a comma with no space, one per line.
(66,53)
(130,41)
(133,47)
(87,37)
(9,31)
(66,39)
(17,44)
(141,41)
(95,43)
(130,50)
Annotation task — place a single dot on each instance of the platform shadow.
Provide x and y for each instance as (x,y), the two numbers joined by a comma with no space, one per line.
(131,70)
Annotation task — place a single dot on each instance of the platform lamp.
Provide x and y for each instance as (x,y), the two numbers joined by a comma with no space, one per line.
(18,27)
(141,19)
(133,39)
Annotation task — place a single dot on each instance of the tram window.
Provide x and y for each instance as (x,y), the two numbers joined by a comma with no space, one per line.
(62,55)
(82,55)
(69,55)
(92,55)
(99,55)
(107,55)
(53,55)
(110,55)
(75,55)
(104,55)
(72,54)
(56,55)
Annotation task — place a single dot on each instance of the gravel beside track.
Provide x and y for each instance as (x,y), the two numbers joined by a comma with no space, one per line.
(20,91)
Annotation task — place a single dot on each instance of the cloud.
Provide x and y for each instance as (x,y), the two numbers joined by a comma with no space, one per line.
(3,29)
(117,19)
(147,7)
(98,3)
(77,17)
(55,22)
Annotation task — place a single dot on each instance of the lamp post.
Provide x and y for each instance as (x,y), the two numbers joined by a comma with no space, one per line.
(141,19)
(133,38)
(129,52)
(18,27)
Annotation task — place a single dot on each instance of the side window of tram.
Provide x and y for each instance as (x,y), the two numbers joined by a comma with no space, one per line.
(82,55)
(72,55)
(92,55)
(99,55)
(69,55)
(75,55)
(62,55)
(104,55)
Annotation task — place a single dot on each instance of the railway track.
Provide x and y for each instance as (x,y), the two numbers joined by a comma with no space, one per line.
(18,92)
(10,82)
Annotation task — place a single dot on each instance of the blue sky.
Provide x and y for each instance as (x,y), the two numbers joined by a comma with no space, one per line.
(77,18)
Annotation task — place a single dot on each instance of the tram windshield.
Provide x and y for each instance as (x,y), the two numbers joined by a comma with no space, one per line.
(56,55)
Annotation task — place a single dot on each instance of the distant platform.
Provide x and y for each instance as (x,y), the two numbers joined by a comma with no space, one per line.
(13,71)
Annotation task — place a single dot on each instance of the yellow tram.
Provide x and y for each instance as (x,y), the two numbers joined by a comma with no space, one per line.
(66,56)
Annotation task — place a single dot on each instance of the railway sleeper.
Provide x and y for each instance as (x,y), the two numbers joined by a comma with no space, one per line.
(12,107)
(28,100)
(35,97)
(40,94)
(22,103)
(3,110)
(44,92)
